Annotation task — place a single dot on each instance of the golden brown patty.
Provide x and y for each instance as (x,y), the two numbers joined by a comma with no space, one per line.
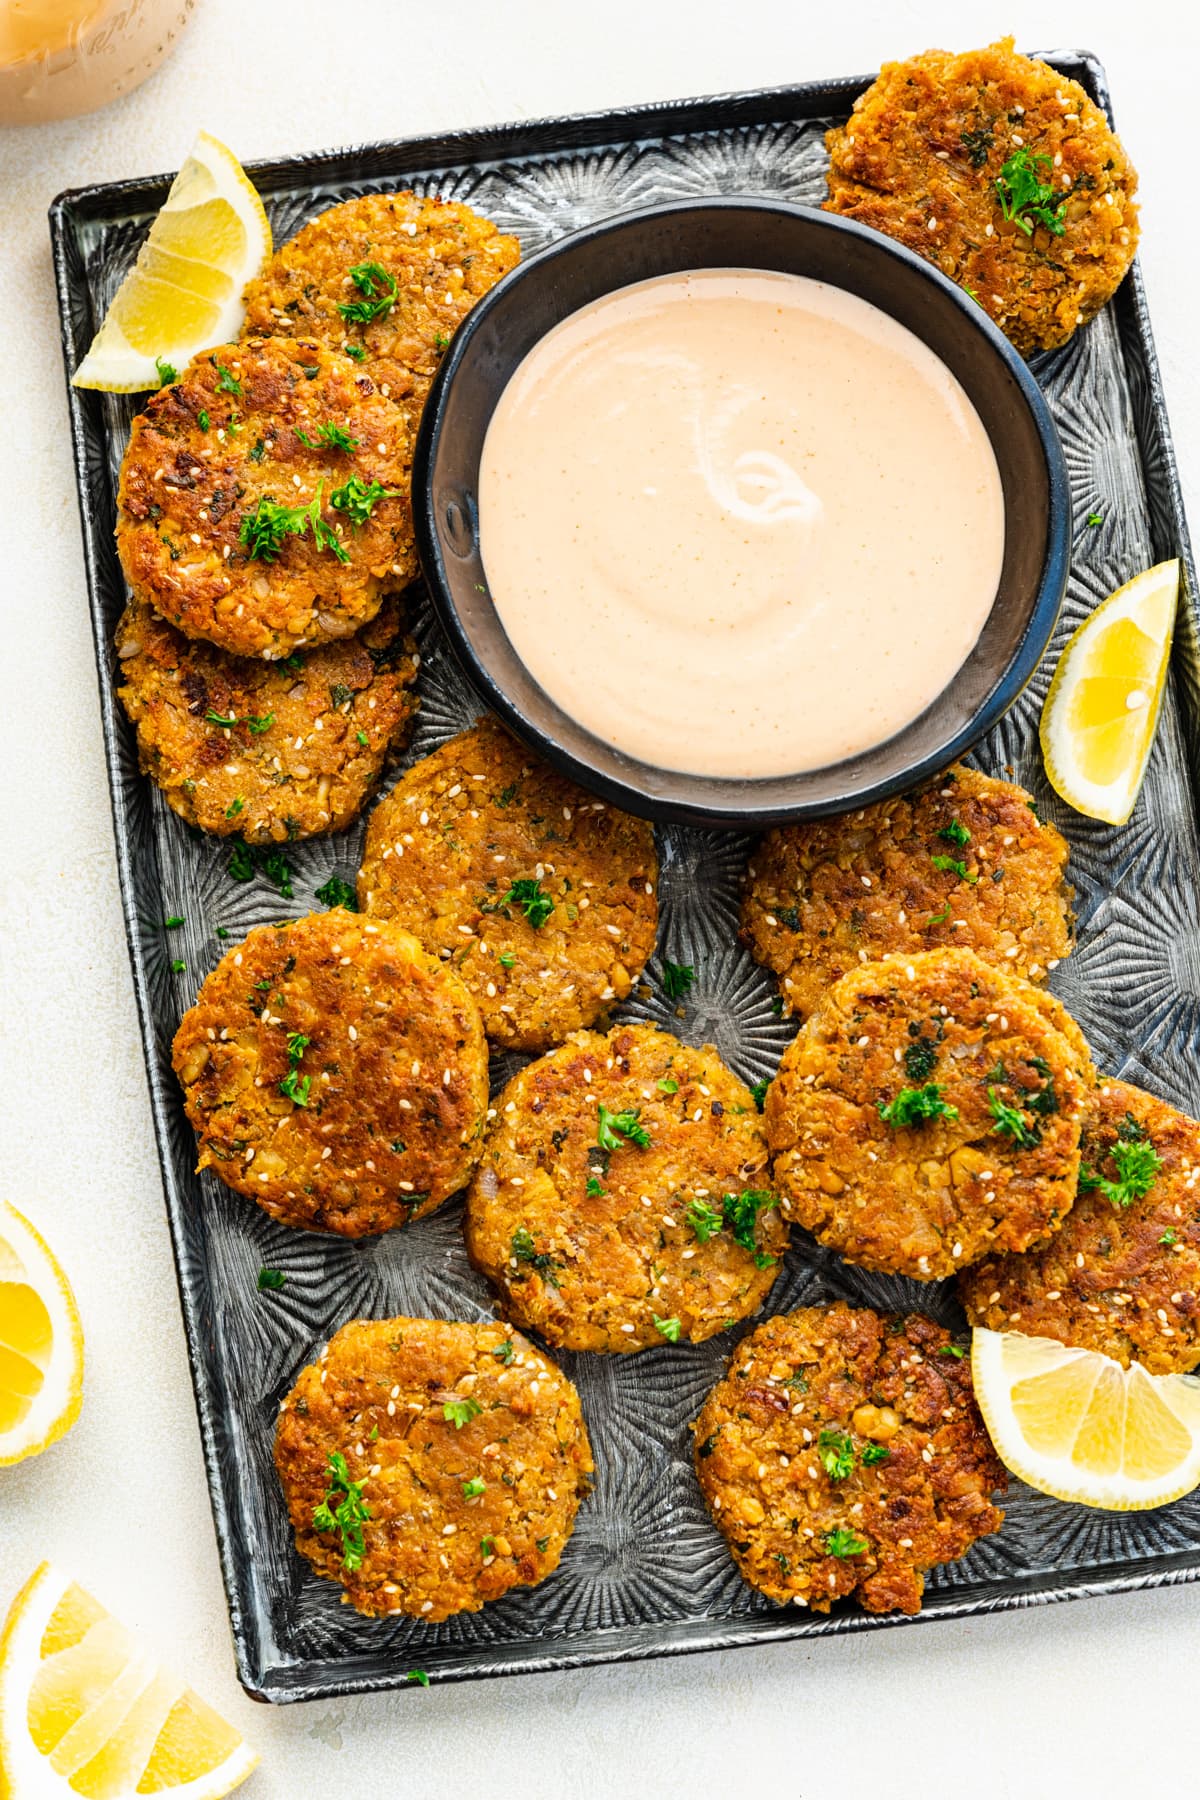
(216,455)
(442,256)
(920,158)
(1122,1276)
(481,820)
(601,1241)
(272,751)
(464,1445)
(919,1191)
(820,899)
(844,1453)
(336,1074)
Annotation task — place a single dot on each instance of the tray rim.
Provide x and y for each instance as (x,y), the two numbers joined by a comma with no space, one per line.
(288,1683)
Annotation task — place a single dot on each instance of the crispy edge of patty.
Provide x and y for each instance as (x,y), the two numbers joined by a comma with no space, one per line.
(431,1549)
(589,1247)
(1107,1280)
(389,1042)
(821,898)
(459,828)
(929,1198)
(308,745)
(779,1456)
(919,159)
(214,445)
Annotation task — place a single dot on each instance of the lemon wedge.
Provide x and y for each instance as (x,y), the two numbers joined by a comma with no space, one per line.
(41,1342)
(1100,715)
(85,1711)
(1075,1424)
(184,293)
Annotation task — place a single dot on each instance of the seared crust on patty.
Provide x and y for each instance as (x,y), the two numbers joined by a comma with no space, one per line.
(843,1453)
(1123,1279)
(457,1513)
(271,751)
(820,899)
(928,1195)
(226,437)
(443,257)
(919,159)
(482,813)
(591,1245)
(336,1074)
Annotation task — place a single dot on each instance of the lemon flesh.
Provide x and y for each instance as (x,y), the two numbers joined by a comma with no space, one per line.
(1075,1424)
(1102,709)
(184,293)
(86,1712)
(41,1342)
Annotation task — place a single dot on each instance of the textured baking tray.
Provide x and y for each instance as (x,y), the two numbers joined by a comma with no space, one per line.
(645,1573)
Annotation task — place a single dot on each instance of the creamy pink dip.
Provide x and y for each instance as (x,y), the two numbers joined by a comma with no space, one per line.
(739,523)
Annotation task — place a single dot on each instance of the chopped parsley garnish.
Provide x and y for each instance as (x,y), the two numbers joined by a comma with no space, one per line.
(294,1085)
(705,1220)
(677,978)
(419,1676)
(487,1547)
(362,738)
(1025,198)
(594,1189)
(1095,518)
(939,918)
(1132,1131)
(356,351)
(920,1059)
(358,498)
(758,1091)
(227,721)
(667,1085)
(241,861)
(1170,1236)
(227,383)
(339,694)
(167,372)
(844,1543)
(1010,1122)
(460,1412)
(263,531)
(615,1129)
(343,1510)
(954,833)
(202,420)
(669,1328)
(875,1453)
(258,452)
(522,1249)
(1137,1164)
(741,1217)
(330,437)
(977,145)
(503,1353)
(174,922)
(836,1452)
(473,1488)
(954,865)
(440,341)
(915,1105)
(336,892)
(179,967)
(528,895)
(234,808)
(259,722)
(245,858)
(270,1280)
(506,959)
(955,1350)
(378,289)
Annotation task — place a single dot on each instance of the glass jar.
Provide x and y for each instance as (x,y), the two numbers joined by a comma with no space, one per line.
(63,57)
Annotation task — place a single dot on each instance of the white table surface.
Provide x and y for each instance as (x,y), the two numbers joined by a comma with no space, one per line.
(1088,1699)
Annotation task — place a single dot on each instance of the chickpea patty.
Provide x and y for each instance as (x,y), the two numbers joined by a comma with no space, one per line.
(543,898)
(1002,173)
(408,268)
(928,1113)
(1122,1276)
(336,1074)
(272,751)
(843,1453)
(963,863)
(623,1198)
(264,498)
(429,1467)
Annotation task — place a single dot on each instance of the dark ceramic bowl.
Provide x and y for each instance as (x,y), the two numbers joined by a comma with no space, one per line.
(751,234)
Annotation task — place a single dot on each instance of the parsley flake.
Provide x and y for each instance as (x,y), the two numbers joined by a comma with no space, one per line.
(875,1453)
(836,1453)
(915,1105)
(378,289)
(460,1412)
(954,865)
(336,892)
(167,372)
(1137,1164)
(330,437)
(227,383)
(1025,199)
(843,1543)
(670,1328)
(954,833)
(270,1280)
(1010,1122)
(528,895)
(614,1129)
(705,1220)
(343,1510)
(419,1676)
(677,978)
(473,1488)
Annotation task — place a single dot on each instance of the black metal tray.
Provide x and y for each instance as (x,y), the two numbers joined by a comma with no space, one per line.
(645,1573)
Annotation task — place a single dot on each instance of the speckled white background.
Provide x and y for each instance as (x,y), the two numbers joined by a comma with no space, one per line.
(1088,1699)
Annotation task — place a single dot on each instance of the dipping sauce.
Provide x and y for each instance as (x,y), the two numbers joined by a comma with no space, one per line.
(739,523)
